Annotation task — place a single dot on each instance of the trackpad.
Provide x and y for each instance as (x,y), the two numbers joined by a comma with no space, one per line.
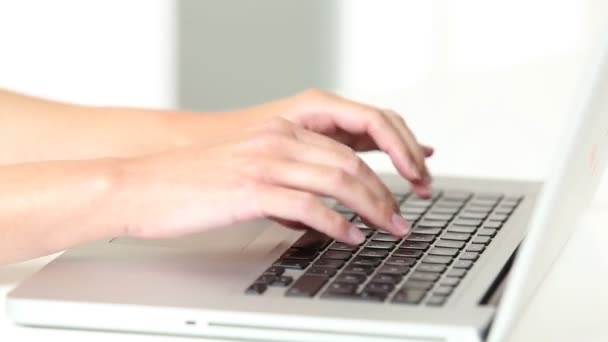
(257,236)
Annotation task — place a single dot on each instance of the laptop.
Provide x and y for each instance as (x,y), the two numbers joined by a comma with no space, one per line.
(478,251)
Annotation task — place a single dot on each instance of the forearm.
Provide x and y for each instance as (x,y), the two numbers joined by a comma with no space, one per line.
(50,206)
(33,129)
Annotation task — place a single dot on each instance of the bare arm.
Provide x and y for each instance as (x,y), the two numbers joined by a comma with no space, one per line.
(33,129)
(49,206)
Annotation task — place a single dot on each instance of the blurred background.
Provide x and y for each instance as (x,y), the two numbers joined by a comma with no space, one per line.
(489,83)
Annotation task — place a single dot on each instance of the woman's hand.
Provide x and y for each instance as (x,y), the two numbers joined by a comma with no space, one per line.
(274,168)
(358,126)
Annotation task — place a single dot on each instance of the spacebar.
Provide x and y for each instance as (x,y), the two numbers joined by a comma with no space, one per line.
(307,286)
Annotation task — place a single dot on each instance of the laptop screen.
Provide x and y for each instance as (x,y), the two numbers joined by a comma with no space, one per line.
(578,168)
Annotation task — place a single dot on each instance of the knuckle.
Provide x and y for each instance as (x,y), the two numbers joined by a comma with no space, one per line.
(340,177)
(278,124)
(355,164)
(270,141)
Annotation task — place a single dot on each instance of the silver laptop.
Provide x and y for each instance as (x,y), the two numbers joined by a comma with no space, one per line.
(478,251)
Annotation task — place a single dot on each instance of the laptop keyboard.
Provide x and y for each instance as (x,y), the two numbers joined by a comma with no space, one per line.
(450,233)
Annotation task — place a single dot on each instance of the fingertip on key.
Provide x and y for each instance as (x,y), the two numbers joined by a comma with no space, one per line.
(355,236)
(401,226)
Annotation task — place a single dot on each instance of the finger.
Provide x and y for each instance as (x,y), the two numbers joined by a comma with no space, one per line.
(298,206)
(356,118)
(415,149)
(427,150)
(335,183)
(345,158)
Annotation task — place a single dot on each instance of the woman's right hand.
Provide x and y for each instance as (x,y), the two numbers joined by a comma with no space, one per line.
(273,170)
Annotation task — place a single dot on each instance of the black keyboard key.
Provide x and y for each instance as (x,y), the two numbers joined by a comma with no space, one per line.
(448,205)
(400,261)
(339,255)
(424,276)
(503,210)
(449,281)
(412,210)
(385,237)
(394,269)
(443,251)
(484,240)
(266,279)
(493,225)
(321,271)
(416,202)
(283,281)
(275,270)
(444,210)
(387,278)
(380,245)
(367,232)
(351,278)
(462,229)
(373,252)
(292,263)
(385,288)
(456,196)
(487,232)
(360,269)
(341,246)
(466,222)
(256,289)
(366,261)
(481,206)
(411,217)
(443,290)
(340,289)
(483,202)
(468,215)
(422,246)
(450,244)
(409,253)
(371,296)
(306,286)
(420,238)
(330,263)
(469,256)
(435,300)
(294,253)
(435,259)
(478,210)
(439,217)
(409,296)
(433,268)
(475,248)
(498,217)
(427,231)
(464,264)
(312,239)
(456,236)
(418,285)
(456,273)
(431,224)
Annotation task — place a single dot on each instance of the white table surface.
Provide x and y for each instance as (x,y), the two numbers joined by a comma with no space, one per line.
(482,126)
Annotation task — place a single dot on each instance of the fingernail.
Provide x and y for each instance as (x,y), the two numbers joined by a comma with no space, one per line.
(400,224)
(355,235)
